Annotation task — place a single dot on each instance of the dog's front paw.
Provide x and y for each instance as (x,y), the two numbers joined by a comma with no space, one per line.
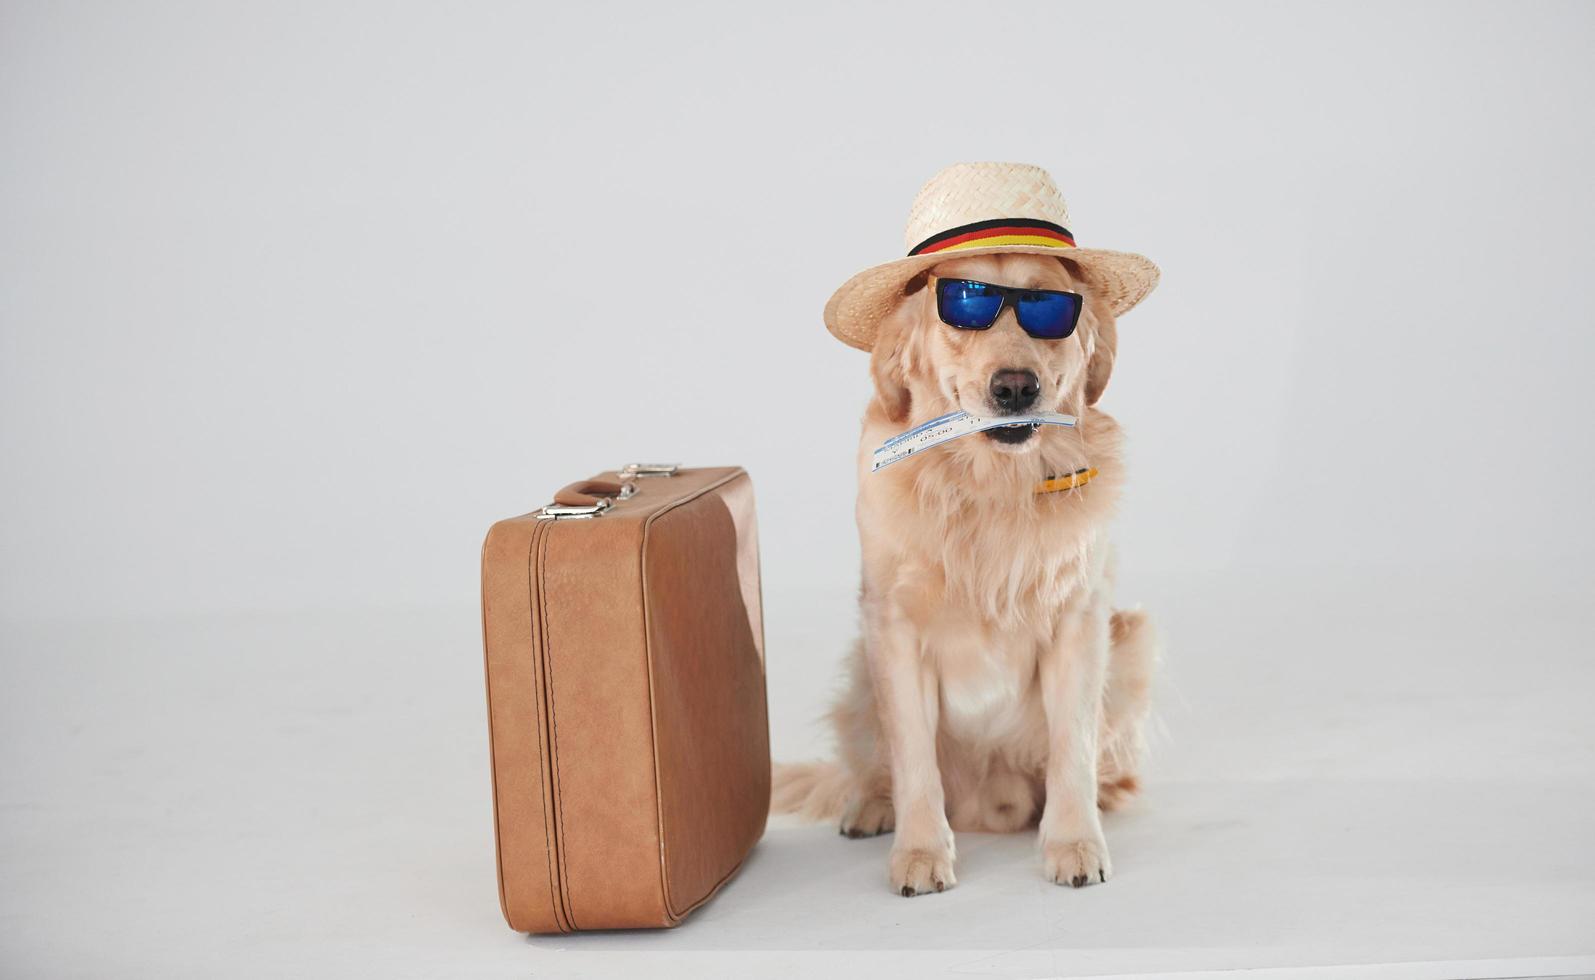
(918,870)
(1077,862)
(867,816)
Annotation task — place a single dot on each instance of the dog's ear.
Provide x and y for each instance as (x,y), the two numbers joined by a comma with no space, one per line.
(1101,337)
(886,356)
(1103,348)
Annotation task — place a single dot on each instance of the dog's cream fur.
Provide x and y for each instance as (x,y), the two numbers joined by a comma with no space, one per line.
(994,687)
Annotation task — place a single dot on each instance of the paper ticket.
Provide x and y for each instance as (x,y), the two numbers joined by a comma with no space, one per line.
(950,427)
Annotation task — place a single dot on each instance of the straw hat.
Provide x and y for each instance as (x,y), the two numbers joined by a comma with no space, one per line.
(984,209)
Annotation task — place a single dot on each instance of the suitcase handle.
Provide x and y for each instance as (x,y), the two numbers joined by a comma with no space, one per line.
(587,493)
(590,498)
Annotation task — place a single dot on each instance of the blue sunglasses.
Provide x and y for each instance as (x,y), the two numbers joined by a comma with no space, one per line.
(1045,314)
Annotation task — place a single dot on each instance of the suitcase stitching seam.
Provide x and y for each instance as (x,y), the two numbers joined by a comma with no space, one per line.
(553,715)
(550,836)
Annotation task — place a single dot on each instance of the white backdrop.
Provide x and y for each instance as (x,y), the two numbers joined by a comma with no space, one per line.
(296,299)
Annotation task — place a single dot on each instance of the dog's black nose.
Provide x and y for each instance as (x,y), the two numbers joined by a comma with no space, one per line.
(1014,391)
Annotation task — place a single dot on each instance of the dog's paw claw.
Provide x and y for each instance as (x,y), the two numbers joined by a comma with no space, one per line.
(1077,863)
(919,871)
(868,817)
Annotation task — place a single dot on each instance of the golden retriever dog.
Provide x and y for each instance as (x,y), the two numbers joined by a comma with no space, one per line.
(994,687)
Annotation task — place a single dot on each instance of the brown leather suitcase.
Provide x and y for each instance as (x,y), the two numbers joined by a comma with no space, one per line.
(625,687)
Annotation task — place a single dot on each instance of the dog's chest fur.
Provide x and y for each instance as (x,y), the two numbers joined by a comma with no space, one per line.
(986,676)
(988,569)
(1006,589)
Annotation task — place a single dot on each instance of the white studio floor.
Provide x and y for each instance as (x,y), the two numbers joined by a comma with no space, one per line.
(1365,777)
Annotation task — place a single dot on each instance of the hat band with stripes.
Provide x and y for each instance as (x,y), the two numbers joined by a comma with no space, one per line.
(998,231)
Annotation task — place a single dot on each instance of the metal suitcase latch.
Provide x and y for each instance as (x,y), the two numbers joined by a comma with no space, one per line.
(565,512)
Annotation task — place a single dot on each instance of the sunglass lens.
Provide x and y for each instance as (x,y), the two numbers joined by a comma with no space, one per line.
(967,305)
(1048,316)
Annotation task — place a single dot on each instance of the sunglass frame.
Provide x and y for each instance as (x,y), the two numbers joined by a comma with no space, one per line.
(1008,300)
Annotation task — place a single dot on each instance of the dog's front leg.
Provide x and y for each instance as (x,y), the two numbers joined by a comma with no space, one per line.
(1072,672)
(908,699)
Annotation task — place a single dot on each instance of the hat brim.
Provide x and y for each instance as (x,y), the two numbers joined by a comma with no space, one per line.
(1118,279)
